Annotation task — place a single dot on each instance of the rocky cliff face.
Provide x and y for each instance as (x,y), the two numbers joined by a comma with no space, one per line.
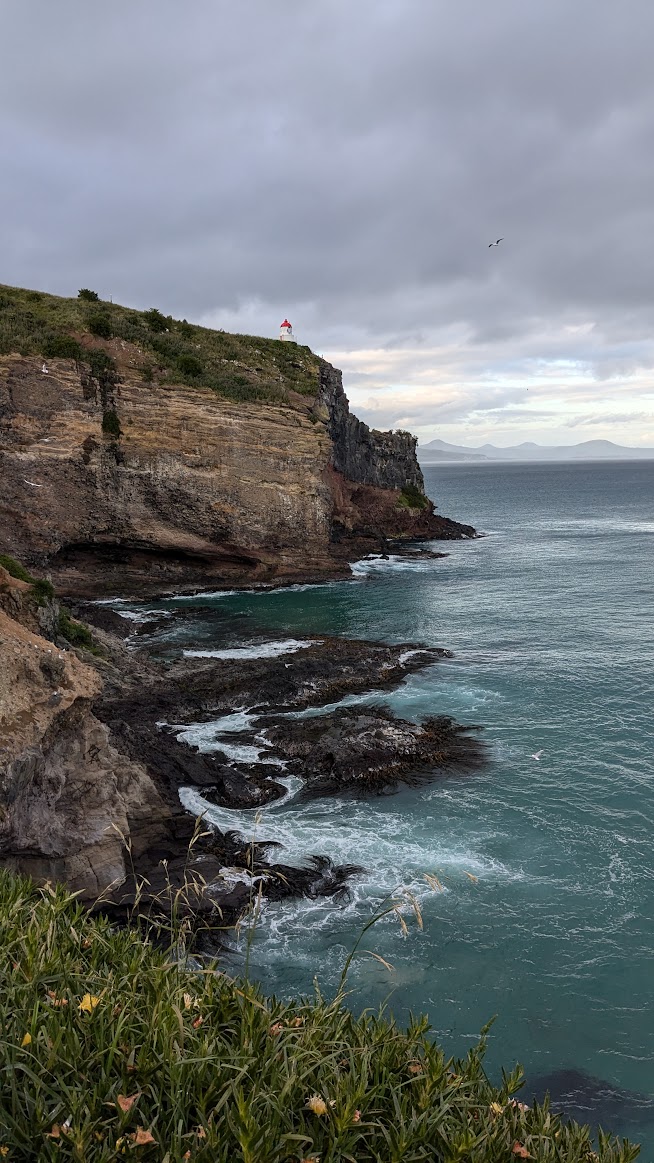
(66,794)
(185,489)
(385,460)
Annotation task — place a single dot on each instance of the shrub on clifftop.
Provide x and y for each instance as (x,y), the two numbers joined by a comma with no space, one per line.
(412,498)
(110,1049)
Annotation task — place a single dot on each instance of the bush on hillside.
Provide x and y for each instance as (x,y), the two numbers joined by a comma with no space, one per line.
(111,1048)
(76,632)
(156,321)
(89,296)
(101,378)
(111,423)
(61,347)
(44,590)
(15,569)
(190,365)
(100,325)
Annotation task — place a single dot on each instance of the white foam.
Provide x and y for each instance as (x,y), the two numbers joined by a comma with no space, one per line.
(393,563)
(261,650)
(208,737)
(407,654)
(258,591)
(143,615)
(205,594)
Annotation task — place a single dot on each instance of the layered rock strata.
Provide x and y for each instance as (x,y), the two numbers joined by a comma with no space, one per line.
(192,490)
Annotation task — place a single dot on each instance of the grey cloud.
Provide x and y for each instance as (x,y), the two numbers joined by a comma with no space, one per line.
(347,162)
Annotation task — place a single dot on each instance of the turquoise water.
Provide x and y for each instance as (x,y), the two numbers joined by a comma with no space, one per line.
(549,617)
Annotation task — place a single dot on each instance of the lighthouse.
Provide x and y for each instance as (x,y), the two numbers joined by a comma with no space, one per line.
(286,332)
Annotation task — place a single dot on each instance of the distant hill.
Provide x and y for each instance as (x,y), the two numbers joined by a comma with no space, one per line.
(440,452)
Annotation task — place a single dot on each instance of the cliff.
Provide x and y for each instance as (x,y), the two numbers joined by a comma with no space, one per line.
(120,475)
(67,795)
(386,460)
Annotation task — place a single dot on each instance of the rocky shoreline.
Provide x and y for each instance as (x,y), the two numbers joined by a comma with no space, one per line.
(288,724)
(92,795)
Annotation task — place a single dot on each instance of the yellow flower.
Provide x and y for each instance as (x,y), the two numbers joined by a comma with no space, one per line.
(497,1108)
(88,1003)
(4,1151)
(317,1104)
(26,1040)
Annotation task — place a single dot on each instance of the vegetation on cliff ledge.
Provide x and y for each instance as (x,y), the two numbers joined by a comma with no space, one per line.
(111,1049)
(167,350)
(43,590)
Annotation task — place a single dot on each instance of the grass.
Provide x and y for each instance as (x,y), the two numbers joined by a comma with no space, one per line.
(15,569)
(240,367)
(76,633)
(411,498)
(111,1049)
(43,589)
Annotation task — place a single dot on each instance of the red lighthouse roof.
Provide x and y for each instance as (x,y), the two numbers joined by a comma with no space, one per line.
(286,323)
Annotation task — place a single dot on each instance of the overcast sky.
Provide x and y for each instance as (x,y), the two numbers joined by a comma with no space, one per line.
(346,163)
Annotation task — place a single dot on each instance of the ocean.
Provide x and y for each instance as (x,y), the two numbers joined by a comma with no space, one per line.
(538,905)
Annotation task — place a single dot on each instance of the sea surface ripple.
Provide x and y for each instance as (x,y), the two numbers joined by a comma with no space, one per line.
(546,914)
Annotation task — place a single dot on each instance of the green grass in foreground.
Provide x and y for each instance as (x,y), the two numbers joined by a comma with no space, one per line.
(109,1050)
(238,367)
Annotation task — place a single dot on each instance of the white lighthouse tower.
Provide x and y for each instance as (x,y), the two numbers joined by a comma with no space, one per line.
(286,332)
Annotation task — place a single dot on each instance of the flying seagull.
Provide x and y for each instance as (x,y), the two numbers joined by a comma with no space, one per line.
(497,242)
(537,755)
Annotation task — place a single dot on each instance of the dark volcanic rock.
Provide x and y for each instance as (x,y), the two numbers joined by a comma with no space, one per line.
(364,456)
(193,690)
(362,750)
(370,750)
(179,765)
(208,881)
(365,750)
(586,1099)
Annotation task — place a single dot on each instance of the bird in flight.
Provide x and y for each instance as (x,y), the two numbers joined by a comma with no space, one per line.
(537,754)
(497,242)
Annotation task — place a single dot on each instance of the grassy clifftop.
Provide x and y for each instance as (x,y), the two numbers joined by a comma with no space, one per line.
(165,350)
(111,1049)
